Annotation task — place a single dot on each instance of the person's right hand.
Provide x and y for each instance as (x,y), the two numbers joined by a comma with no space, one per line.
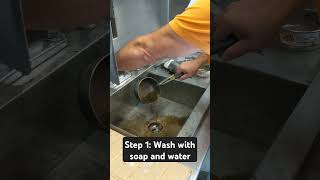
(190,68)
(255,23)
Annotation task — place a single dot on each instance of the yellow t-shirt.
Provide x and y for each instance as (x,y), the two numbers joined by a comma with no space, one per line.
(193,25)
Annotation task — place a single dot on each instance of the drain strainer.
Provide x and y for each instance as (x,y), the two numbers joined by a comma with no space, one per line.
(155,127)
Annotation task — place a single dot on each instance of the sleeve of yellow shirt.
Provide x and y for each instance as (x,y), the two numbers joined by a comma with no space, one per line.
(193,25)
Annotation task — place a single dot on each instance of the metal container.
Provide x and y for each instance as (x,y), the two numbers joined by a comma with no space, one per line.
(303,34)
(147,90)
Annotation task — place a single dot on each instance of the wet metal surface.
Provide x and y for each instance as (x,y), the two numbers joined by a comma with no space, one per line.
(170,115)
(187,106)
(192,94)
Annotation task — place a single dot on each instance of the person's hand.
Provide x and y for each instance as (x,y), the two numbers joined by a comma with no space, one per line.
(190,68)
(255,23)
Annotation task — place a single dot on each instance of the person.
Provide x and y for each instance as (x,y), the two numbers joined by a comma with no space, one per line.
(186,33)
(254,22)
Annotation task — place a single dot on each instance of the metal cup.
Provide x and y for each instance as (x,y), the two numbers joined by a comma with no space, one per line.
(147,90)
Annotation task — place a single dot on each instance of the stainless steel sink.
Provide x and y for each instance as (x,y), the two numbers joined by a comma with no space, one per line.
(250,110)
(178,111)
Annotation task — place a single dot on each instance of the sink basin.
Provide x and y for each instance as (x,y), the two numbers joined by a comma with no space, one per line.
(250,110)
(177,112)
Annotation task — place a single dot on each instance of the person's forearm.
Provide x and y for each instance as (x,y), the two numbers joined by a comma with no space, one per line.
(147,49)
(134,50)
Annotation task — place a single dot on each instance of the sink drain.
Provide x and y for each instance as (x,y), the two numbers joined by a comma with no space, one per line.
(155,127)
